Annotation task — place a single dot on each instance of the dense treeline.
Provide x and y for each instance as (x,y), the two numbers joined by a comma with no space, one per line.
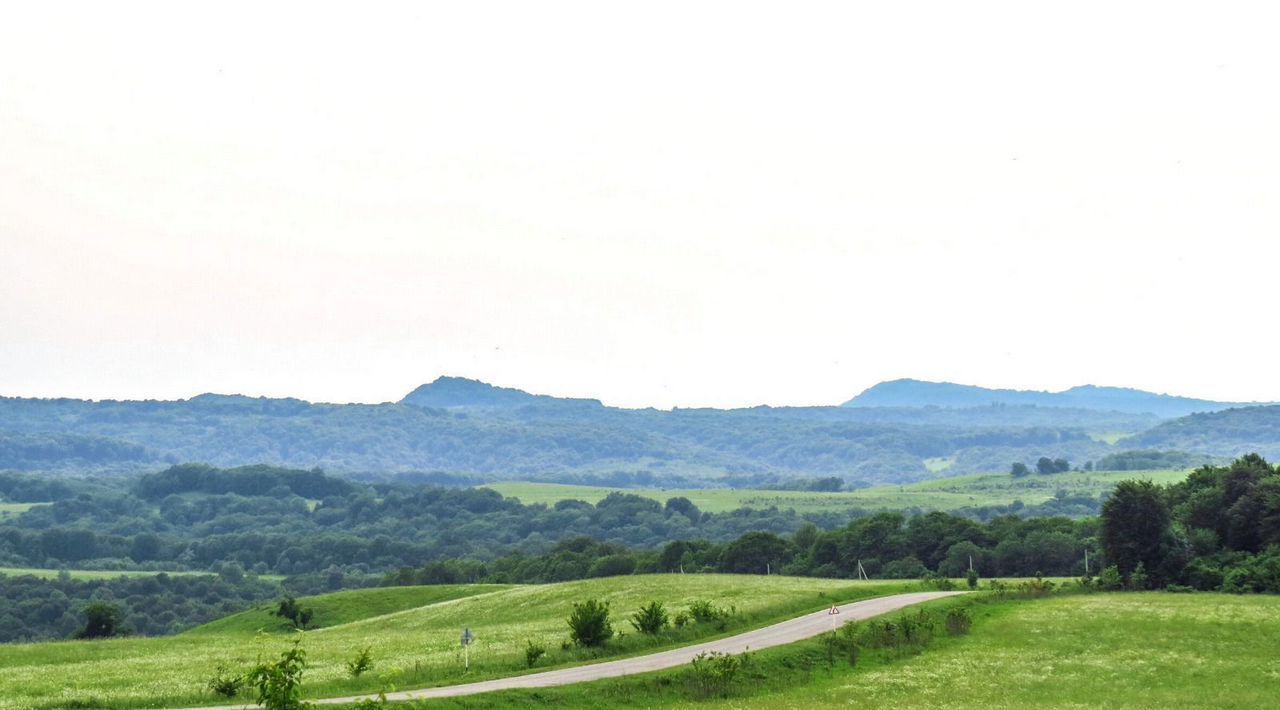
(35,609)
(887,545)
(271,520)
(1224,433)
(1218,529)
(1149,460)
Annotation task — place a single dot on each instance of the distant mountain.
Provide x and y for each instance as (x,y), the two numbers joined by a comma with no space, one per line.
(452,392)
(1226,433)
(917,393)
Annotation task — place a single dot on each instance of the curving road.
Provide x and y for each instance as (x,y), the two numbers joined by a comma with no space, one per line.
(779,634)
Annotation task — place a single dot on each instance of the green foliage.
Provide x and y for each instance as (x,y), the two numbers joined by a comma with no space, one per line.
(713,673)
(532,652)
(1138,578)
(1136,526)
(279,683)
(971,578)
(102,620)
(650,618)
(702,611)
(289,609)
(958,621)
(1111,580)
(589,624)
(225,683)
(363,661)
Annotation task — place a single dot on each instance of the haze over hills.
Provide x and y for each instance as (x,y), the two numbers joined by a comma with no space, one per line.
(919,393)
(462,427)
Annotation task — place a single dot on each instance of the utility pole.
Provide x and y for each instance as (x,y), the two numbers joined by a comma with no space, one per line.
(1086,562)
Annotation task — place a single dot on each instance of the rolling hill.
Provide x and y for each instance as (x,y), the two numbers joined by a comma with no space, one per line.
(918,393)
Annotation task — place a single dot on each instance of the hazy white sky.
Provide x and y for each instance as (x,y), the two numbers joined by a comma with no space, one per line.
(670,204)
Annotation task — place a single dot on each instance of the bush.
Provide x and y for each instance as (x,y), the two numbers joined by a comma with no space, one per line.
(651,619)
(1138,578)
(589,624)
(704,612)
(279,684)
(225,684)
(288,609)
(681,620)
(1110,579)
(958,621)
(362,662)
(714,672)
(532,652)
(102,620)
(972,578)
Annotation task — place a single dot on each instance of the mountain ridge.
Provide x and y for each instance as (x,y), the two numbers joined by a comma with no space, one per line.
(921,393)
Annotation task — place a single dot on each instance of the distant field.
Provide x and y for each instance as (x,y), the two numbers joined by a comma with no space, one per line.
(940,494)
(413,647)
(108,574)
(11,510)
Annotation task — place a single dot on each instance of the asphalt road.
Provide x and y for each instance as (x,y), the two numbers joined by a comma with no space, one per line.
(779,634)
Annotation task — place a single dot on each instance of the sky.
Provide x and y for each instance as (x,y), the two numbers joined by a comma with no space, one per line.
(653,204)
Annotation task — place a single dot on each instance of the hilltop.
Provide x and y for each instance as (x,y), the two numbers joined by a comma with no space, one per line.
(919,393)
(470,430)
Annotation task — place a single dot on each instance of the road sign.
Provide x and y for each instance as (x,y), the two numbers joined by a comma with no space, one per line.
(467,638)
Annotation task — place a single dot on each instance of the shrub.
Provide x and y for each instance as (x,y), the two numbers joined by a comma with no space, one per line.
(704,612)
(972,578)
(279,683)
(958,621)
(681,620)
(844,643)
(1037,587)
(288,609)
(1138,578)
(651,618)
(532,652)
(589,623)
(225,684)
(714,672)
(102,620)
(362,662)
(1110,579)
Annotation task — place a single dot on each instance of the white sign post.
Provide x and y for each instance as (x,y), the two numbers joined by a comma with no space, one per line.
(467,638)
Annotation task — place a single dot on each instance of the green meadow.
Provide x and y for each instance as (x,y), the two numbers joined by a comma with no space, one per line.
(938,494)
(1131,650)
(413,635)
(13,510)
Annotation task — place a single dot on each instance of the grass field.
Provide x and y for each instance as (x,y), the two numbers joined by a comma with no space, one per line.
(12,510)
(413,647)
(1148,650)
(940,494)
(342,608)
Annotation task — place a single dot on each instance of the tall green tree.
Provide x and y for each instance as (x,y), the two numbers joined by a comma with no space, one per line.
(1136,527)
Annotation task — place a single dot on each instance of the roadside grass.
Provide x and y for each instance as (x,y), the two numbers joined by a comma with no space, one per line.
(1142,650)
(412,648)
(939,494)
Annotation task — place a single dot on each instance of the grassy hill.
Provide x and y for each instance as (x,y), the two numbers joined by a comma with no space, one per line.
(942,494)
(1126,650)
(415,646)
(342,608)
